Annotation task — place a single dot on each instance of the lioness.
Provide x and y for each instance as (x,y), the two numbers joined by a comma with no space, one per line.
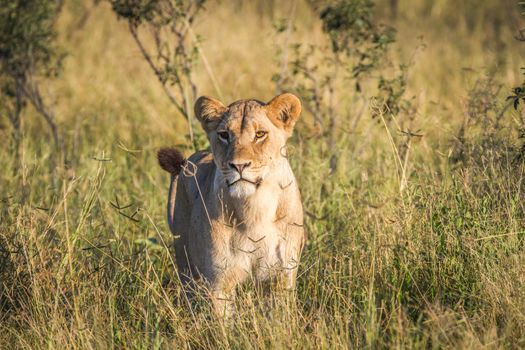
(237,211)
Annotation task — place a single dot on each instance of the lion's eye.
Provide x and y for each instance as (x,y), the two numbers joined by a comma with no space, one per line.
(260,134)
(223,135)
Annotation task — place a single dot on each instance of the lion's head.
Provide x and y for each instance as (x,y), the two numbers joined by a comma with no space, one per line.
(248,137)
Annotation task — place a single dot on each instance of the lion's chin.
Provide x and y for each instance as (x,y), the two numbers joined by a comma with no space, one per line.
(242,189)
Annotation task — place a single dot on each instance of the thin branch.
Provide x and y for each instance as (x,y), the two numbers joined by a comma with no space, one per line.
(32,92)
(155,69)
(288,34)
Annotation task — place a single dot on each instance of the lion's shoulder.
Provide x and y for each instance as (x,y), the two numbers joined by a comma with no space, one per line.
(201,167)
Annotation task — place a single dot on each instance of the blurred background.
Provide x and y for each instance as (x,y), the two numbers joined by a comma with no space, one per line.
(448,46)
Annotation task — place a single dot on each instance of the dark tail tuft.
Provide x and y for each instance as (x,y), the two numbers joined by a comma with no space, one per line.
(171,160)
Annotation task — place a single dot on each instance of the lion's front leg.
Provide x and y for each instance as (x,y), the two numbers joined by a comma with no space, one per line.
(289,278)
(223,291)
(223,303)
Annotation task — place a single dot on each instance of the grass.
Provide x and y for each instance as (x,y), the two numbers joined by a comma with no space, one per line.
(424,251)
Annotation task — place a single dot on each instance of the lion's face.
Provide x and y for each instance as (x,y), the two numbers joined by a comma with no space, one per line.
(247,138)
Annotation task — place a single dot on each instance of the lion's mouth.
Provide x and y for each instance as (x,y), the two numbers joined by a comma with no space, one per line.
(256,183)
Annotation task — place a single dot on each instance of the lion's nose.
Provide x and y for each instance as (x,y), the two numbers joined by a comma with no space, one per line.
(240,166)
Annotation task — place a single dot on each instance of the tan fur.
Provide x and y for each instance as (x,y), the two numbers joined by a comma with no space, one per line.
(228,231)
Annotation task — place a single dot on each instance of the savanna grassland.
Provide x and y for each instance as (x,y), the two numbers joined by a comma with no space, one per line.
(414,209)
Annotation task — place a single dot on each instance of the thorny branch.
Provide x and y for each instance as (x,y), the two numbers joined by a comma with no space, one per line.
(175,48)
(147,57)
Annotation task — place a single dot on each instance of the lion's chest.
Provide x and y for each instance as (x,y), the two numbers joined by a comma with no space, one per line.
(258,250)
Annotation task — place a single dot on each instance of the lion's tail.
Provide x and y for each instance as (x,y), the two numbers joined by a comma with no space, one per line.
(171,160)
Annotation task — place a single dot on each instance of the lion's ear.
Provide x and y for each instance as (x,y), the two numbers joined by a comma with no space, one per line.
(209,112)
(284,110)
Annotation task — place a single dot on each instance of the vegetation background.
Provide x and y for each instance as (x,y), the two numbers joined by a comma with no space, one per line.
(416,229)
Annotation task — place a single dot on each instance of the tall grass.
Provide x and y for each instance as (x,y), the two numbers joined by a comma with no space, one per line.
(406,250)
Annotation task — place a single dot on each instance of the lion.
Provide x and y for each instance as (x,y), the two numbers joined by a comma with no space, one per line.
(236,211)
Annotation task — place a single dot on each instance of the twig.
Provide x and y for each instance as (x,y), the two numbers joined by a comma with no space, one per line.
(155,69)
